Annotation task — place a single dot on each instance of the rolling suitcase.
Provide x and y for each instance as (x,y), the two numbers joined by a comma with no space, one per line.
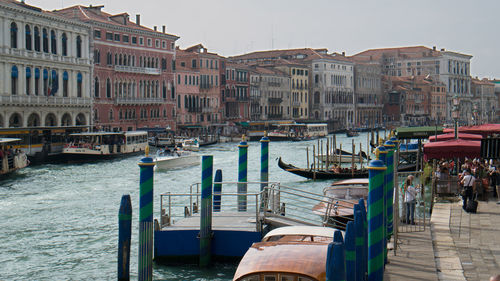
(472,205)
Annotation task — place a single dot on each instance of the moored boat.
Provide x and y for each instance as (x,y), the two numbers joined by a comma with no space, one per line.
(351,133)
(191,144)
(287,253)
(168,160)
(106,144)
(337,207)
(11,159)
(340,173)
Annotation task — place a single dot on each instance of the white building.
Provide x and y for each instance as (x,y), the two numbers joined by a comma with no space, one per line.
(45,68)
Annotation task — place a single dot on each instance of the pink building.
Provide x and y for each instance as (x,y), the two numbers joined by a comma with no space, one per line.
(236,93)
(133,79)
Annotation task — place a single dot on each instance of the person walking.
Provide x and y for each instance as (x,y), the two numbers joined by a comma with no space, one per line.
(467,183)
(410,200)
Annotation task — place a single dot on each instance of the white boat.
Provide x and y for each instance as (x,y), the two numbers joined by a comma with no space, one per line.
(11,159)
(168,160)
(191,144)
(101,144)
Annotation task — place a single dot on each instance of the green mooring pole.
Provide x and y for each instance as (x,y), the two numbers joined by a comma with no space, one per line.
(242,175)
(264,161)
(146,218)
(376,220)
(206,210)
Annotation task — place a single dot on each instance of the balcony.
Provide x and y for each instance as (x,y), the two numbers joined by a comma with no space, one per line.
(296,103)
(44,100)
(138,70)
(136,101)
(194,109)
(275,100)
(275,116)
(45,56)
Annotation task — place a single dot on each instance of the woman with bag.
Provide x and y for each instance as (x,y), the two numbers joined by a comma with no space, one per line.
(410,200)
(467,195)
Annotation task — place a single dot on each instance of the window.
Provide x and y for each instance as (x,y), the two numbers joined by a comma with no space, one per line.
(117,37)
(163,64)
(45,82)
(157,43)
(28,80)
(13,35)
(78,47)
(125,38)
(65,84)
(108,88)
(150,42)
(97,56)
(79,79)
(97,34)
(45,38)
(64,41)
(37,81)
(53,43)
(193,63)
(164,44)
(172,46)
(109,36)
(141,41)
(28,37)
(109,58)
(37,39)
(134,40)
(111,115)
(96,87)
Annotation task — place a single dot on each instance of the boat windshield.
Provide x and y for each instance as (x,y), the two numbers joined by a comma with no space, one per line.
(347,193)
(300,238)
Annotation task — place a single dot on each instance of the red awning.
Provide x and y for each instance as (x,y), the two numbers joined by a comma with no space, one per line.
(451,136)
(452,149)
(484,130)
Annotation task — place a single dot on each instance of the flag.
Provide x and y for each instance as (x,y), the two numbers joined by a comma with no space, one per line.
(49,88)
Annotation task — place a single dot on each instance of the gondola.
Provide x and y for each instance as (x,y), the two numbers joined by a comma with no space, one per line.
(322,174)
(328,174)
(351,134)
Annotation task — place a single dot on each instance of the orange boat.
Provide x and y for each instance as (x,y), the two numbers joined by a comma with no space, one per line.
(289,253)
(337,207)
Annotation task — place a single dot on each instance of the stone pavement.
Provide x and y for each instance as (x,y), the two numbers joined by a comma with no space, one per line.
(457,246)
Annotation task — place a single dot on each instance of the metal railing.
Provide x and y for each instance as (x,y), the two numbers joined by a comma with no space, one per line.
(140,70)
(44,100)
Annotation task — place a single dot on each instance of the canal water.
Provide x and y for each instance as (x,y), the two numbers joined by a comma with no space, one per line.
(60,221)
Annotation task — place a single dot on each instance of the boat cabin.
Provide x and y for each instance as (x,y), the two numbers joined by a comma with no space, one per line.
(106,143)
(11,159)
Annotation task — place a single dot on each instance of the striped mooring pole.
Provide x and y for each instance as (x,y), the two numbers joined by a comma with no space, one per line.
(350,251)
(375,217)
(361,207)
(390,195)
(335,262)
(337,236)
(206,209)
(146,166)
(242,174)
(264,161)
(124,237)
(217,190)
(361,245)
(383,157)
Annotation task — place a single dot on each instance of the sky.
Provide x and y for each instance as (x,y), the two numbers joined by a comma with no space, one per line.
(233,27)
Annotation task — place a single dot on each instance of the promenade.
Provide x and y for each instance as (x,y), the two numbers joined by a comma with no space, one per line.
(457,246)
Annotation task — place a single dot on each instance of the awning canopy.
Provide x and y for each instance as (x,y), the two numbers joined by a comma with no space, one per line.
(454,148)
(451,136)
(417,132)
(484,130)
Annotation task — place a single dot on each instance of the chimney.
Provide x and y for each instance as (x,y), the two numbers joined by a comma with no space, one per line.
(154,27)
(138,19)
(442,50)
(343,54)
(163,28)
(433,48)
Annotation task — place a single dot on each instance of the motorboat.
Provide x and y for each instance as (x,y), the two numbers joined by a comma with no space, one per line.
(287,253)
(168,160)
(105,144)
(11,159)
(337,207)
(191,144)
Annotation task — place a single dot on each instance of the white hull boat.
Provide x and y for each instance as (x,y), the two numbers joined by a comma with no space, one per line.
(176,160)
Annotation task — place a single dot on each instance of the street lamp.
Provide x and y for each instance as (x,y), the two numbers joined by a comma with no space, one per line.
(455,113)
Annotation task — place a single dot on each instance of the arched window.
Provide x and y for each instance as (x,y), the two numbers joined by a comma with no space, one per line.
(78,46)
(111,115)
(37,39)
(28,80)
(79,79)
(15,120)
(53,42)
(96,87)
(45,82)
(37,81)
(65,84)
(120,59)
(108,88)
(28,37)
(64,41)
(13,35)
(53,83)
(14,78)
(45,37)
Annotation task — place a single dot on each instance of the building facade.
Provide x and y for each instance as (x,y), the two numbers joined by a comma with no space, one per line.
(188,92)
(235,93)
(133,79)
(270,94)
(299,87)
(45,68)
(368,95)
(484,101)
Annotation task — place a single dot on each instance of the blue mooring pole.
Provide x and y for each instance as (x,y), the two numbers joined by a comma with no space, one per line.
(146,218)
(350,251)
(217,190)
(124,238)
(360,241)
(390,195)
(337,236)
(361,207)
(335,262)
(242,175)
(383,156)
(375,217)
(206,208)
